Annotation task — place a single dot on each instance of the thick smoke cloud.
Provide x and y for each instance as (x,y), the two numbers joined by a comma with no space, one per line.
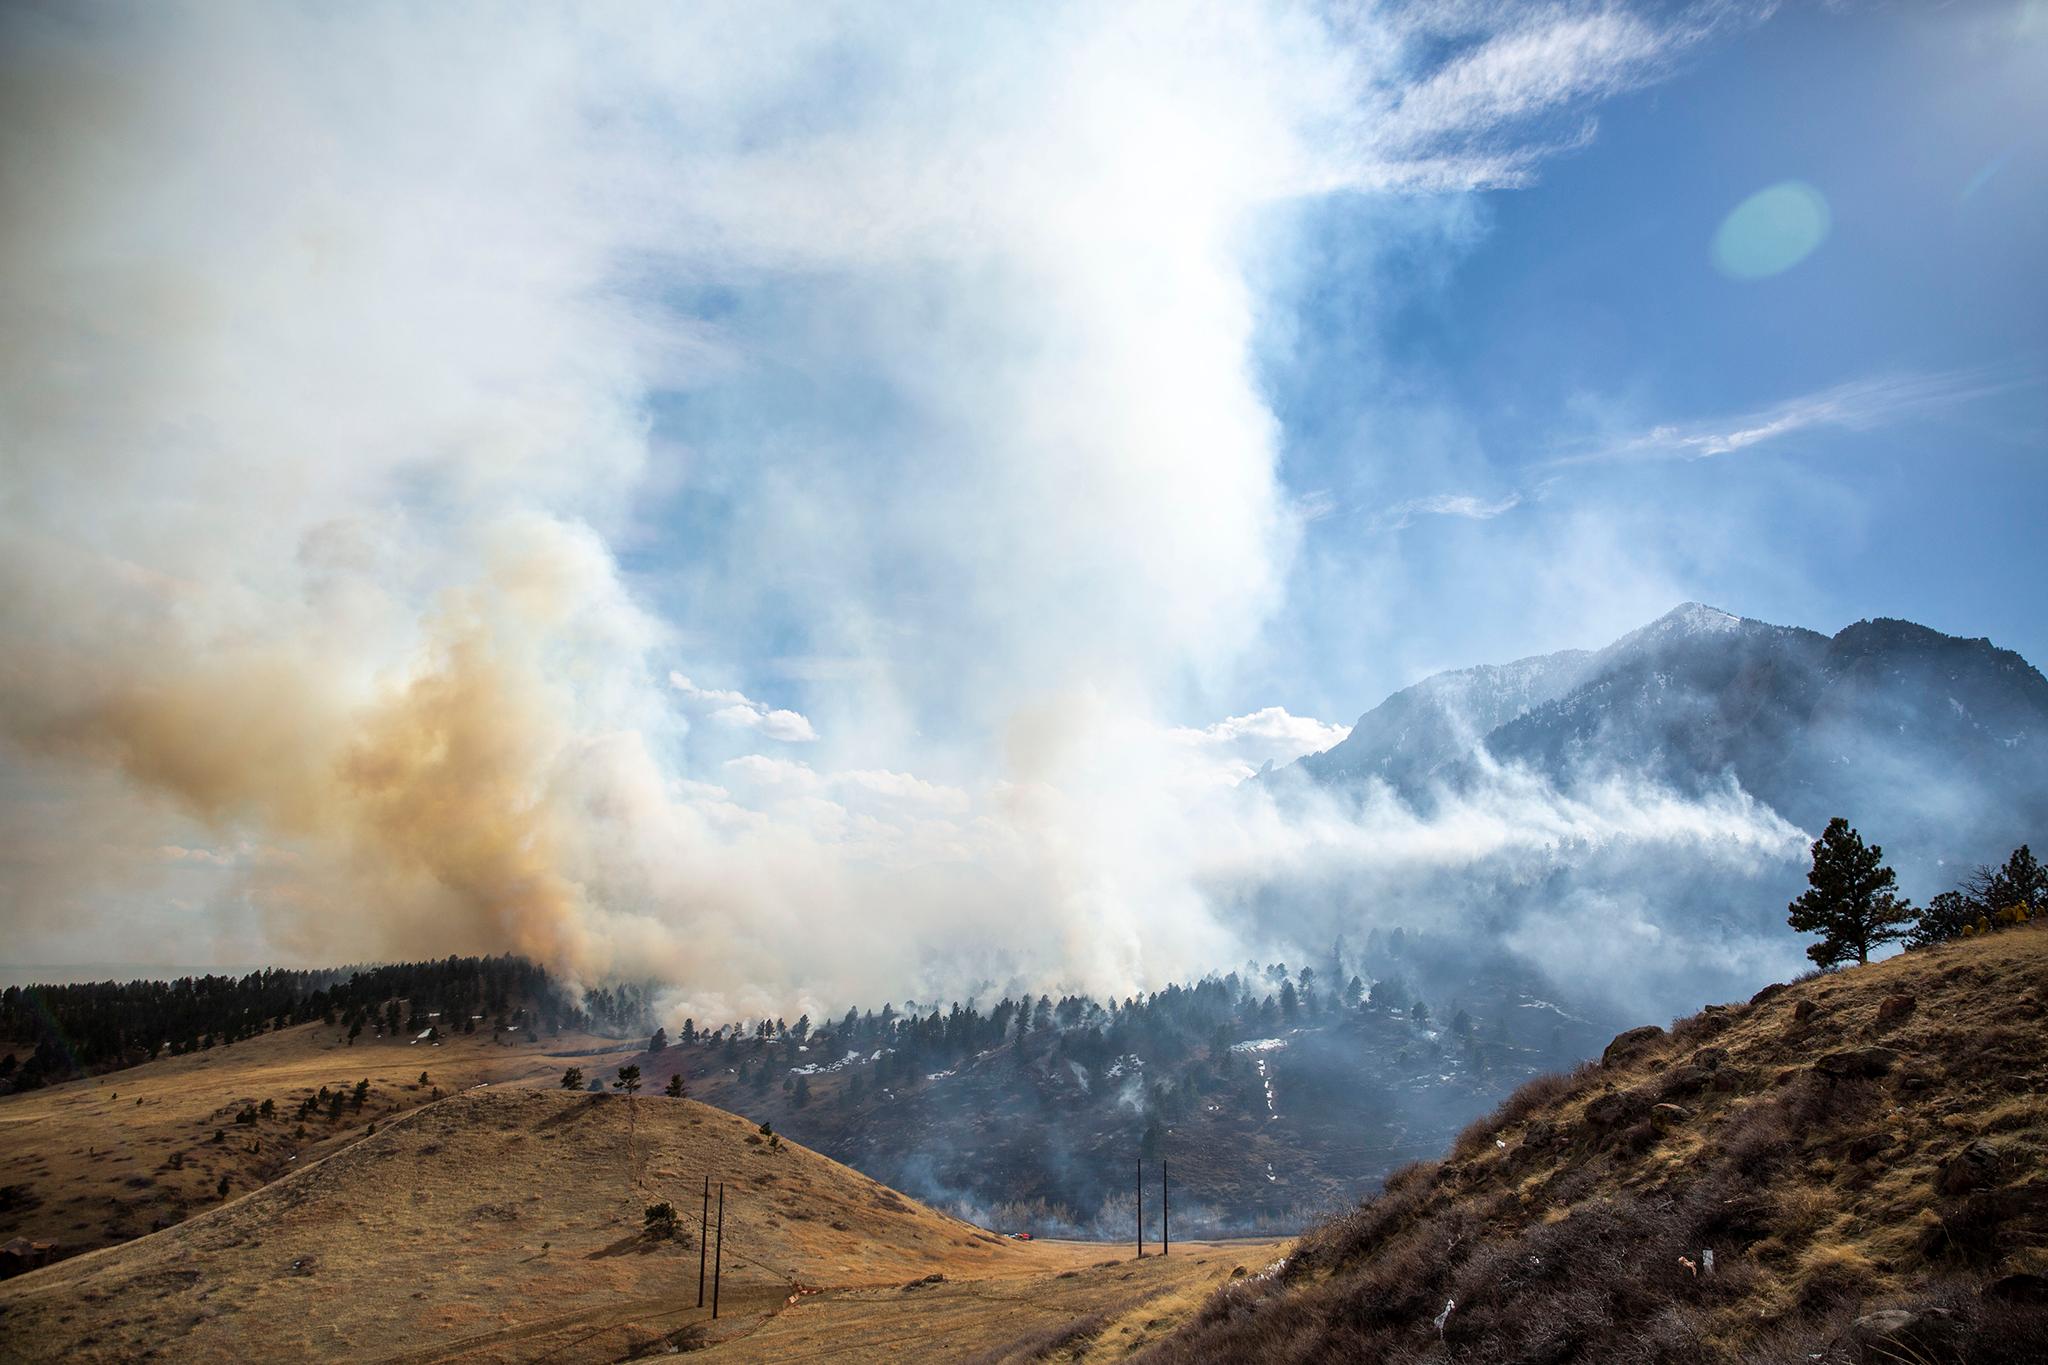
(396,400)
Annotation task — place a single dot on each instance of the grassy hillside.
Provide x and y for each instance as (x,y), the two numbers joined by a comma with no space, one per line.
(1862,1153)
(506,1224)
(94,1162)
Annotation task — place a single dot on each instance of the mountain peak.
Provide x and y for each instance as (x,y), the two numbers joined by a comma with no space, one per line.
(1696,618)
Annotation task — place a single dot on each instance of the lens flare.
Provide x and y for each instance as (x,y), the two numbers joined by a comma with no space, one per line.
(1771,231)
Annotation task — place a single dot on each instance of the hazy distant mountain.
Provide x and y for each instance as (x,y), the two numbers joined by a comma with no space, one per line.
(1933,745)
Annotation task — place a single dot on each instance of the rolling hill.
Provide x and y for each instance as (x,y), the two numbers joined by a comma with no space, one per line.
(105,1159)
(504,1224)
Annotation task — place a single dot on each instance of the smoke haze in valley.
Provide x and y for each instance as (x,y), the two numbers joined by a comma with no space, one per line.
(790,501)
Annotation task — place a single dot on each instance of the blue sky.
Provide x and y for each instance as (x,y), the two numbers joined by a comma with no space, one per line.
(1515,326)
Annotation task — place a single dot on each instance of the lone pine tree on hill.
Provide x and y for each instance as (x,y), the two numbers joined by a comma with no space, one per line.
(1849,899)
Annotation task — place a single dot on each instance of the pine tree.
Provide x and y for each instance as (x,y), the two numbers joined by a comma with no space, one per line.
(675,1087)
(1945,917)
(628,1081)
(2022,881)
(572,1079)
(1849,901)
(659,1041)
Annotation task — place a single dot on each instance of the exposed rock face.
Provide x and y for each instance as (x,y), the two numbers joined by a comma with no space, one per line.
(1894,1008)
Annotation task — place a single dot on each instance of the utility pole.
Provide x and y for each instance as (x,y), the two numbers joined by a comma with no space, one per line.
(1165,1214)
(703,1242)
(718,1257)
(1141,1209)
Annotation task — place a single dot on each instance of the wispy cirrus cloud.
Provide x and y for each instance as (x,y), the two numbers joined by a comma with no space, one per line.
(1859,405)
(1462,505)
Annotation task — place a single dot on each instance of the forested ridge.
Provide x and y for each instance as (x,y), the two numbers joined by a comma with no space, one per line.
(55,1032)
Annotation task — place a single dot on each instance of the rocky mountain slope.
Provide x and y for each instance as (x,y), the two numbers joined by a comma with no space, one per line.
(1851,1168)
(1934,744)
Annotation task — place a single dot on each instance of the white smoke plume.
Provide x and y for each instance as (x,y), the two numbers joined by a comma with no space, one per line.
(396,398)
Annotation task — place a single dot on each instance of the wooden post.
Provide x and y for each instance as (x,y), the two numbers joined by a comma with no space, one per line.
(703,1240)
(718,1258)
(1141,1209)
(1165,1215)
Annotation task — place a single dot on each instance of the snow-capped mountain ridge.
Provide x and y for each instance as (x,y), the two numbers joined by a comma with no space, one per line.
(1934,741)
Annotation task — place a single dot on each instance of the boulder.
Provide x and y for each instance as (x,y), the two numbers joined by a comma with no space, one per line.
(1803,1011)
(1730,1079)
(1976,1167)
(1893,1009)
(1895,1334)
(1710,1058)
(1768,992)
(1668,1113)
(1869,1145)
(1688,1080)
(1710,1021)
(1627,1045)
(1617,1109)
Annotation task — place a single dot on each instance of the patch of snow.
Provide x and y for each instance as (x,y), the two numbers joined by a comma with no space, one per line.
(1259,1045)
(820,1068)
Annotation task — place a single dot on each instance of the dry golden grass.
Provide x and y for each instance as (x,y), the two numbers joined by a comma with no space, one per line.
(504,1224)
(111,1157)
(1091,1310)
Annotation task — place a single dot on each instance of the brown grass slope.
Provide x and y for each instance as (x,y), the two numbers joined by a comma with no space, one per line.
(496,1224)
(1865,1154)
(102,1160)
